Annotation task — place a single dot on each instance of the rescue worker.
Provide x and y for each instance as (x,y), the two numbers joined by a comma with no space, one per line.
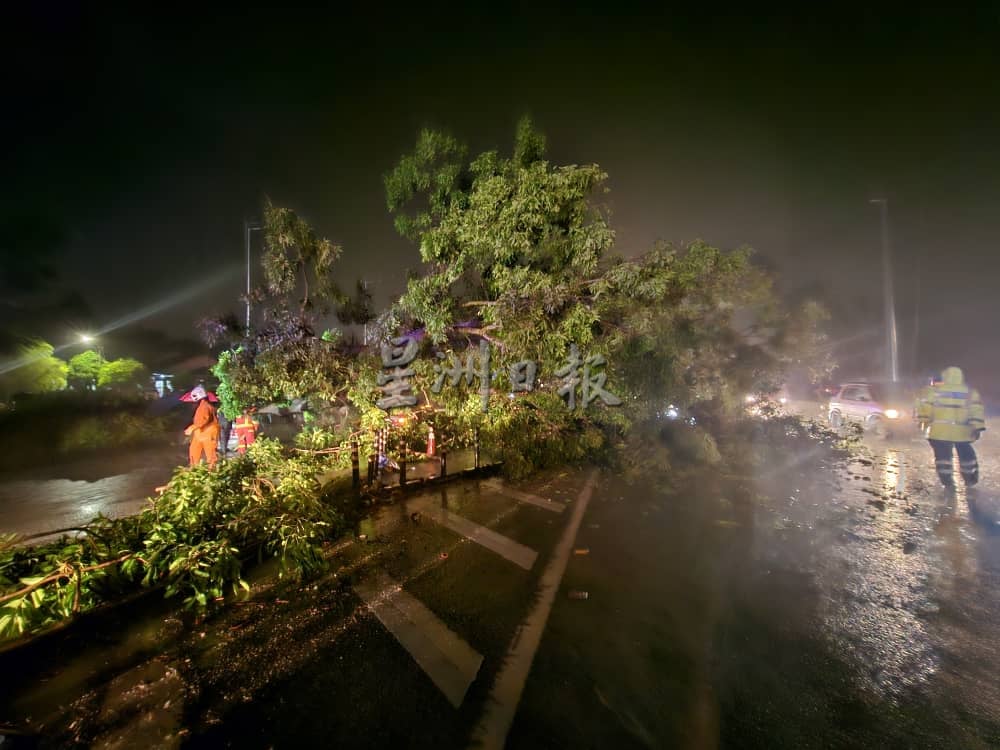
(246,428)
(953,416)
(203,430)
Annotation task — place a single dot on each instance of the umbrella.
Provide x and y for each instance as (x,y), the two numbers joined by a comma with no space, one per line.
(197,393)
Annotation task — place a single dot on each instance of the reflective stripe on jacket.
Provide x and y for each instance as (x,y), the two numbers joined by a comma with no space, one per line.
(246,429)
(953,410)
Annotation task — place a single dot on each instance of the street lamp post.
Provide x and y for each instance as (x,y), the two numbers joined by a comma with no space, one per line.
(887,294)
(249,227)
(88,340)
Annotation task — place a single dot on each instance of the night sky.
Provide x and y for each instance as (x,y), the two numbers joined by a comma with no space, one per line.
(135,146)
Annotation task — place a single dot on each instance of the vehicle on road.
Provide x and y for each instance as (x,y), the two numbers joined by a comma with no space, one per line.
(766,404)
(882,408)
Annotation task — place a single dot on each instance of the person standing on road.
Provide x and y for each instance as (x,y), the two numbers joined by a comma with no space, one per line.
(953,415)
(203,430)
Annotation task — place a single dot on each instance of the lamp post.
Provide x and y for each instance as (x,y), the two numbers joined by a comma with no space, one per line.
(248,227)
(86,338)
(887,293)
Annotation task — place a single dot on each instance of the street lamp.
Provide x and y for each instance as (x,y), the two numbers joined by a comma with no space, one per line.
(87,339)
(887,293)
(249,227)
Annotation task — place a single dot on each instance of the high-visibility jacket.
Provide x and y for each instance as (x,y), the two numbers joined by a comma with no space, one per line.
(205,425)
(952,410)
(246,430)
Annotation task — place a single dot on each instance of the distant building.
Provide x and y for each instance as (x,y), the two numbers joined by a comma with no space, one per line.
(163,383)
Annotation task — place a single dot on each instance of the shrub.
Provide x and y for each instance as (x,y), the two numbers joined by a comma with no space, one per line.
(193,540)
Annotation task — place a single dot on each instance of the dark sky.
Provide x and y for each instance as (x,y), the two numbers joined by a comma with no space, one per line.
(141,140)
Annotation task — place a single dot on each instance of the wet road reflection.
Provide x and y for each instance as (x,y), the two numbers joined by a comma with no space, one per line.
(895,558)
(114,486)
(821,602)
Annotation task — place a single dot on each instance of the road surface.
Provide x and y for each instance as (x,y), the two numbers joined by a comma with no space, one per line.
(817,602)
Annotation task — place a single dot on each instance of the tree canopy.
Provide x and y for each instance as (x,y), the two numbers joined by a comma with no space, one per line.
(34,369)
(518,251)
(288,355)
(84,369)
(122,373)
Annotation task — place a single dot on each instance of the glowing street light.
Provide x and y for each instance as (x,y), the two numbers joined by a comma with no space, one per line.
(88,339)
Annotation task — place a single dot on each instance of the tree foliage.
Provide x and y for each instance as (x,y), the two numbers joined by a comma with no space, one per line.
(287,356)
(34,369)
(356,308)
(122,373)
(192,540)
(84,369)
(805,345)
(521,249)
(508,242)
(296,261)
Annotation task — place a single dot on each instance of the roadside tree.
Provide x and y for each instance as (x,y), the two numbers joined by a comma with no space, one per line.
(122,374)
(85,369)
(290,354)
(33,369)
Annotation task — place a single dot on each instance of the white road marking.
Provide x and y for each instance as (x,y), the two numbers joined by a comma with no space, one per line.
(507,548)
(541,502)
(451,663)
(491,732)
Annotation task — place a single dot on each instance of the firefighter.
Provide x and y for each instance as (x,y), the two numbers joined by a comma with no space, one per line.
(952,414)
(203,430)
(246,428)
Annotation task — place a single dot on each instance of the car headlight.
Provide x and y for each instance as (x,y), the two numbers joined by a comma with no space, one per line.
(783,400)
(750,398)
(891,413)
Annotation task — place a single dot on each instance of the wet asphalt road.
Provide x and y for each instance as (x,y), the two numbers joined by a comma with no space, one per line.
(816,603)
(70,494)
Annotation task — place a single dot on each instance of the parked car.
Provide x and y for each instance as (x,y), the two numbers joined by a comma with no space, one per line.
(884,409)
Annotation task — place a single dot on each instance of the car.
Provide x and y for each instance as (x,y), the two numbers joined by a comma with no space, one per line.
(767,403)
(675,413)
(882,408)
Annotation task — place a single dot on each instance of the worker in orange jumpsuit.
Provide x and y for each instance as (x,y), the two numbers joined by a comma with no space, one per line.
(203,430)
(246,431)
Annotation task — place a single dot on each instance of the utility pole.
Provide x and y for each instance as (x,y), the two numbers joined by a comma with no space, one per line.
(916,314)
(249,226)
(887,294)
(364,286)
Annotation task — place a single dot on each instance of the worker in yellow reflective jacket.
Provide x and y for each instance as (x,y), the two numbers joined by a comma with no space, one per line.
(953,416)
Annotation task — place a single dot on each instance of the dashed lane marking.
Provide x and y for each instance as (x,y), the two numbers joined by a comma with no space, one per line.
(507,548)
(541,502)
(451,663)
(491,732)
